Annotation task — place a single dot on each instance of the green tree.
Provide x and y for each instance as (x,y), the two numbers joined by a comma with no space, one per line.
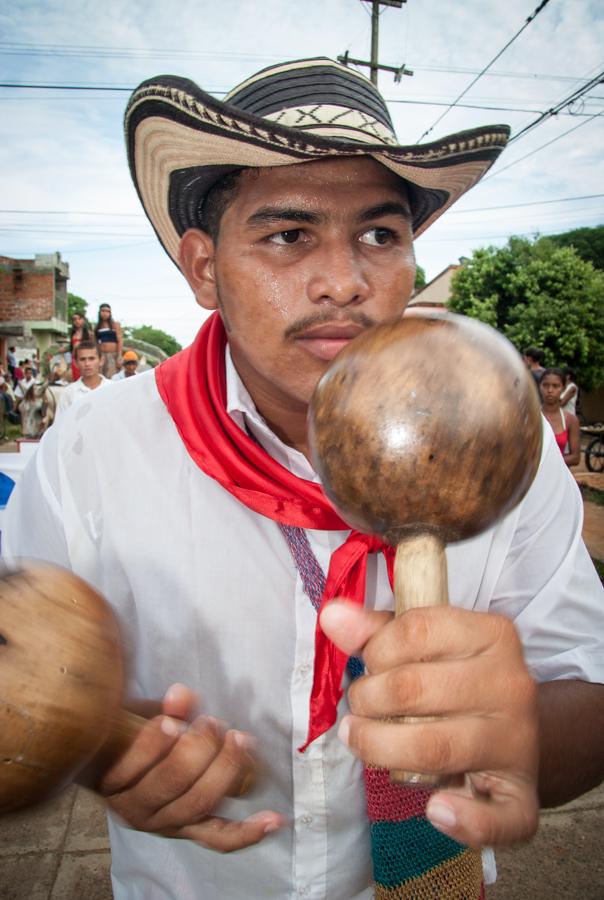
(76,304)
(154,336)
(539,294)
(588,242)
(420,277)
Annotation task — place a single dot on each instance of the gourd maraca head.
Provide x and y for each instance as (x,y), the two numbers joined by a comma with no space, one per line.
(61,679)
(428,424)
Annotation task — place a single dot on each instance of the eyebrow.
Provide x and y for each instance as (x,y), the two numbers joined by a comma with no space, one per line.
(274,215)
(270,215)
(390,208)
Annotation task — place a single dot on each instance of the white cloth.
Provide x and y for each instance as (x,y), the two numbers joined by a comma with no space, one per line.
(571,404)
(76,391)
(23,386)
(207,594)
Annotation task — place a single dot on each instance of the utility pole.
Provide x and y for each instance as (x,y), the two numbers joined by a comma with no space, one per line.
(374,65)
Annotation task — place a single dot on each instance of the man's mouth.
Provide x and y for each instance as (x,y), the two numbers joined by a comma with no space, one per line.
(326,341)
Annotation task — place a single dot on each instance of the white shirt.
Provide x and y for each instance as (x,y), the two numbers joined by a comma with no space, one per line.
(23,386)
(75,391)
(207,594)
(119,376)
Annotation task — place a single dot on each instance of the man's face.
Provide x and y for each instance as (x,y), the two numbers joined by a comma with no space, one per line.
(130,367)
(307,257)
(29,373)
(88,362)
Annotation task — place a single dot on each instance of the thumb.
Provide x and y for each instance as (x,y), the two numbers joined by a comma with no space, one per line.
(350,626)
(180,702)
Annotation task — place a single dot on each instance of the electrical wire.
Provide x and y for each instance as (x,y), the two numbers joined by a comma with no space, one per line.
(537,149)
(536,12)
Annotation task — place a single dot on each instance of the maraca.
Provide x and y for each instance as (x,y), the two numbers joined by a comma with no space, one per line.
(425,431)
(62,683)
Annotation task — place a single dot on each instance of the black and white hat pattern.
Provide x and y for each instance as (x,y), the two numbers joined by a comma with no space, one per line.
(181,140)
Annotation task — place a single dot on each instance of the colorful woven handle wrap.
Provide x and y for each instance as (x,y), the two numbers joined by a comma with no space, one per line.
(411,859)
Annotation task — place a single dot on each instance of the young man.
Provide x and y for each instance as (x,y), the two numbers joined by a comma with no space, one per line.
(291,209)
(533,360)
(129,366)
(25,383)
(88,360)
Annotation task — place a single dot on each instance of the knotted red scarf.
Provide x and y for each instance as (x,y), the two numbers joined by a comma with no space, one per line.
(192,384)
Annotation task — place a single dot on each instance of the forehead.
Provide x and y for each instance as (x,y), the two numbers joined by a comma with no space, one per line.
(348,181)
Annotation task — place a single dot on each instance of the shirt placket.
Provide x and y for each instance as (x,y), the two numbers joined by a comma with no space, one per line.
(309,785)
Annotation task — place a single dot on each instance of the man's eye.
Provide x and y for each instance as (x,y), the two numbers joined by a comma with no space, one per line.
(377,237)
(286,237)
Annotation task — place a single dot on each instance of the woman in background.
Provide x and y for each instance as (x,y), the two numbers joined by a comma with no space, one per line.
(109,337)
(79,332)
(565,425)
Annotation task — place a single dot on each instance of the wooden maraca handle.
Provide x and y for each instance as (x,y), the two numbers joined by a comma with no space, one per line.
(420,579)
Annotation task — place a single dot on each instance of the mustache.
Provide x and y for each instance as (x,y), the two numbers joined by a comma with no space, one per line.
(327,318)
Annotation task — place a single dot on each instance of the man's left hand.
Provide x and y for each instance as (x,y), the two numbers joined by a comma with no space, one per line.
(466,669)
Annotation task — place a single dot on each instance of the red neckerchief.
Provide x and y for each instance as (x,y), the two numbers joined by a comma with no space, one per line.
(192,384)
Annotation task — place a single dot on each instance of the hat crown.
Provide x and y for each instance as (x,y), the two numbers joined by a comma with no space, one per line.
(318,95)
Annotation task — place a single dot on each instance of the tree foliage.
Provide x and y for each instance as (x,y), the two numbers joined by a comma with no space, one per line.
(542,295)
(154,336)
(76,304)
(588,242)
(420,277)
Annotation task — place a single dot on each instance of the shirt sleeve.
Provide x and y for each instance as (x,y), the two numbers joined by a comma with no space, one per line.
(33,522)
(547,583)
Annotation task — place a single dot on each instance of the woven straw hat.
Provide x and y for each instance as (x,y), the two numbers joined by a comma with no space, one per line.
(181,140)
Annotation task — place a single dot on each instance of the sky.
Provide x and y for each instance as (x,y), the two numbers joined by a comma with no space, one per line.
(64,180)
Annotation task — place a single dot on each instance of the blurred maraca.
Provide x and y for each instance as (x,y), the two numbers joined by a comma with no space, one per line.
(425,431)
(62,683)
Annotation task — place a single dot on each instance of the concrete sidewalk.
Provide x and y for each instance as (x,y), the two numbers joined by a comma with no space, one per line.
(60,852)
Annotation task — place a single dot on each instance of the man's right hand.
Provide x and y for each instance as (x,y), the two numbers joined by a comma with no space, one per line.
(175,775)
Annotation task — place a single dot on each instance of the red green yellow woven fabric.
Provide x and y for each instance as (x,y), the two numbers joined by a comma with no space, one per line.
(411,859)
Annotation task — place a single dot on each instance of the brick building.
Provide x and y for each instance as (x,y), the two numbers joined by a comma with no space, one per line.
(33,302)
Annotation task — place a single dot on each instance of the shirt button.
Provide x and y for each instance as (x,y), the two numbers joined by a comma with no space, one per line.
(303,891)
(305,820)
(304,671)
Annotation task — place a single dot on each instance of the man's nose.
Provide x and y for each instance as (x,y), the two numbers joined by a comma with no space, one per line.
(338,277)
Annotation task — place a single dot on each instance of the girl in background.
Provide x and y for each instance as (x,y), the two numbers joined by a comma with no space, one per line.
(565,425)
(109,337)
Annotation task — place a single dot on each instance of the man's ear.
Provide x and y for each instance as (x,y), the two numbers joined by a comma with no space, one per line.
(196,258)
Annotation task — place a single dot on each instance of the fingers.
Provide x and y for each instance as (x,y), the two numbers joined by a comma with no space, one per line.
(439,688)
(225,836)
(199,780)
(152,743)
(505,813)
(419,635)
(444,746)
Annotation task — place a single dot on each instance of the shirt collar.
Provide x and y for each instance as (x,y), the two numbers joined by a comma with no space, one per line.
(241,409)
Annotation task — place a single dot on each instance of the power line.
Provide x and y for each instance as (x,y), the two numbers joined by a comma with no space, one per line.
(576,95)
(536,12)
(97,87)
(517,205)
(537,149)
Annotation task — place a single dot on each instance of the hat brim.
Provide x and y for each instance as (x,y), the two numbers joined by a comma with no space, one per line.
(181,141)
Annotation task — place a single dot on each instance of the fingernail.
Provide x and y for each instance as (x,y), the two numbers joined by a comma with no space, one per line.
(243,740)
(272,823)
(174,692)
(344,730)
(441,815)
(171,727)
